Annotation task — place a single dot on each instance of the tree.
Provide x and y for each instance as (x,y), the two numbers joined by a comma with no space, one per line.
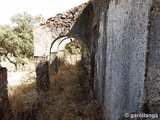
(18,39)
(73,48)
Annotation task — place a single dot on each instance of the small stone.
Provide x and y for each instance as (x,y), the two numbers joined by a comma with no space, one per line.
(158,78)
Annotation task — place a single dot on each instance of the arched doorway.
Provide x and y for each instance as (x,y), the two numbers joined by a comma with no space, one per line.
(59,54)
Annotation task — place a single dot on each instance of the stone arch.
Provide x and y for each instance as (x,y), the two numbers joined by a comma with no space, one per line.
(81,43)
(48,34)
(54,49)
(67,37)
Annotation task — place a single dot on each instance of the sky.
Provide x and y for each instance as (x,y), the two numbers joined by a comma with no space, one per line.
(47,8)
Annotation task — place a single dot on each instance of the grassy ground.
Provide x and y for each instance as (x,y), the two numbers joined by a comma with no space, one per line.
(69,98)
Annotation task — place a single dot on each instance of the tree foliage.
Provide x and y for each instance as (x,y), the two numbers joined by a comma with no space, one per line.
(73,48)
(18,39)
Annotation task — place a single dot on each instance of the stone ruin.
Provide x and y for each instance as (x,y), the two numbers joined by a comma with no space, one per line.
(123,40)
(54,28)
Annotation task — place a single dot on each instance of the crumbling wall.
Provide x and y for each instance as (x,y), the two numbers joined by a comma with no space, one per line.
(45,34)
(128,47)
(42,74)
(42,40)
(54,28)
(4,101)
(123,40)
(153,63)
(119,36)
(83,26)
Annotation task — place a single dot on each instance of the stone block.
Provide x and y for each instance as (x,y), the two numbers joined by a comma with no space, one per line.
(4,102)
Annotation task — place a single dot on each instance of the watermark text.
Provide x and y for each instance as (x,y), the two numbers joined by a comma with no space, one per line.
(141,115)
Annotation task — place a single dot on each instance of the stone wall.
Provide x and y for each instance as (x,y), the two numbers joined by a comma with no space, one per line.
(42,74)
(82,29)
(153,63)
(127,37)
(42,40)
(119,35)
(128,47)
(4,102)
(54,28)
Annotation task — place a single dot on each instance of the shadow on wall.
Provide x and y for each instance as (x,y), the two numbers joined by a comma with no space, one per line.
(43,72)
(4,101)
(42,79)
(53,63)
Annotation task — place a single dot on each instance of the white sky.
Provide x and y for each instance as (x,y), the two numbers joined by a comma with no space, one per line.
(47,8)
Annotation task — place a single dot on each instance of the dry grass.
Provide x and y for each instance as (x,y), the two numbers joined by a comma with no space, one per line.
(22,98)
(70,96)
(23,94)
(68,99)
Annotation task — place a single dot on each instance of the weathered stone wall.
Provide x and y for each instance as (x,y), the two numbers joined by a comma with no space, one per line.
(4,102)
(153,63)
(54,28)
(128,47)
(100,54)
(42,40)
(42,74)
(82,28)
(127,36)
(125,75)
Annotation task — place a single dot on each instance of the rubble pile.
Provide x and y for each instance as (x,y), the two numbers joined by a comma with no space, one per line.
(62,22)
